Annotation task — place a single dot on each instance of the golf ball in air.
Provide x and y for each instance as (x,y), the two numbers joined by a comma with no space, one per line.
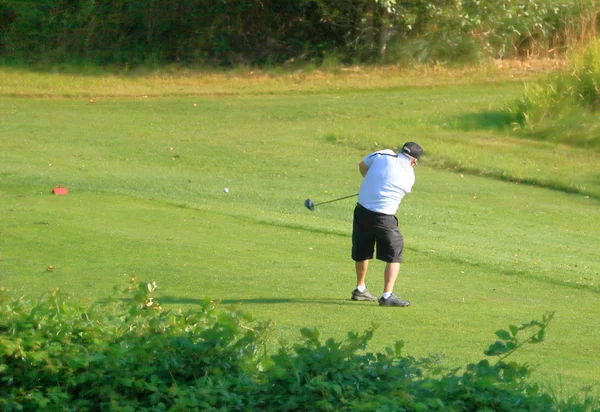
(226,190)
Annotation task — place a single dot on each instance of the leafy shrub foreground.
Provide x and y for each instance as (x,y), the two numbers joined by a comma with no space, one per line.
(131,354)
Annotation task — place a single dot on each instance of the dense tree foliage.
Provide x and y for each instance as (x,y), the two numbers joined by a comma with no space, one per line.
(230,32)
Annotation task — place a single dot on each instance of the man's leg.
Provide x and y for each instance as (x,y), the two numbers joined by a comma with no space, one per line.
(390,274)
(393,242)
(361,272)
(388,298)
(363,245)
(361,292)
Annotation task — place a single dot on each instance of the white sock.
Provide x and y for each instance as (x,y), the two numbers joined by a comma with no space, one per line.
(361,288)
(386,295)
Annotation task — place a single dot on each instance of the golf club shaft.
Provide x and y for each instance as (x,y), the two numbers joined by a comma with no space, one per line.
(335,200)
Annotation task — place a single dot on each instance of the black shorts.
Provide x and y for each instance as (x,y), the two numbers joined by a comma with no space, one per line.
(370,229)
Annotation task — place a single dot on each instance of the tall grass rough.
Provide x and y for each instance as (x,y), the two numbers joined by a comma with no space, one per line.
(565,105)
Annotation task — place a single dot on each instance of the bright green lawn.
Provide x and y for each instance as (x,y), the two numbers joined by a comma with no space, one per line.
(146,179)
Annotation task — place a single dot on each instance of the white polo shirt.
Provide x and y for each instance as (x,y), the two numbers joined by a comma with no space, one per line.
(389,178)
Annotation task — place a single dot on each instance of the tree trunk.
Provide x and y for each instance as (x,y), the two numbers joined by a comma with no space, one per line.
(370,30)
(384,33)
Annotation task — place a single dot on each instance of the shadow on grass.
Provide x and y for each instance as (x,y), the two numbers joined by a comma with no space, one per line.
(450,164)
(257,301)
(496,120)
(519,273)
(267,222)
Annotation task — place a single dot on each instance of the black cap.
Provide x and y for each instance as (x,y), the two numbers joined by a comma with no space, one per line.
(412,149)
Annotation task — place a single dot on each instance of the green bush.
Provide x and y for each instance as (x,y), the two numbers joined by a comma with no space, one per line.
(523,28)
(468,30)
(565,105)
(224,32)
(127,354)
(130,354)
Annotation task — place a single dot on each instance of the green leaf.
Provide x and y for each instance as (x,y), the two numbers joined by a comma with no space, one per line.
(504,335)
(127,382)
(398,348)
(541,335)
(37,356)
(312,334)
(496,348)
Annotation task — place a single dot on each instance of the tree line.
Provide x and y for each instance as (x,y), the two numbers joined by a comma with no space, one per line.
(274,32)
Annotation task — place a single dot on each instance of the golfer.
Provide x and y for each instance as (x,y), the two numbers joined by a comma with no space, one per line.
(387,177)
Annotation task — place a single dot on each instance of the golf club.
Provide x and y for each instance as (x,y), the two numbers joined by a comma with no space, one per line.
(311,206)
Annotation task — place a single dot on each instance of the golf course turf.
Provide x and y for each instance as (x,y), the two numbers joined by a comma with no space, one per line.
(499,229)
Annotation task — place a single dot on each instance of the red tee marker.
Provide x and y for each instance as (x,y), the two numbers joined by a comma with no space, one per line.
(60,190)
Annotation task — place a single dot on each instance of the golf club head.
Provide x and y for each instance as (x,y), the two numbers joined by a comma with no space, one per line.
(309,205)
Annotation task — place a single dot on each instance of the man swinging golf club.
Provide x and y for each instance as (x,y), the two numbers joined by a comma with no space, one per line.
(387,177)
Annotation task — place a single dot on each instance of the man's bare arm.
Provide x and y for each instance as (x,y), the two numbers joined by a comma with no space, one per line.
(363,168)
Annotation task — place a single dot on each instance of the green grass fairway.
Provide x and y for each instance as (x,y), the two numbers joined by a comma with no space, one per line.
(498,230)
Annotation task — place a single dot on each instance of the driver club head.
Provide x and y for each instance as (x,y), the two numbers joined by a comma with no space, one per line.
(309,205)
